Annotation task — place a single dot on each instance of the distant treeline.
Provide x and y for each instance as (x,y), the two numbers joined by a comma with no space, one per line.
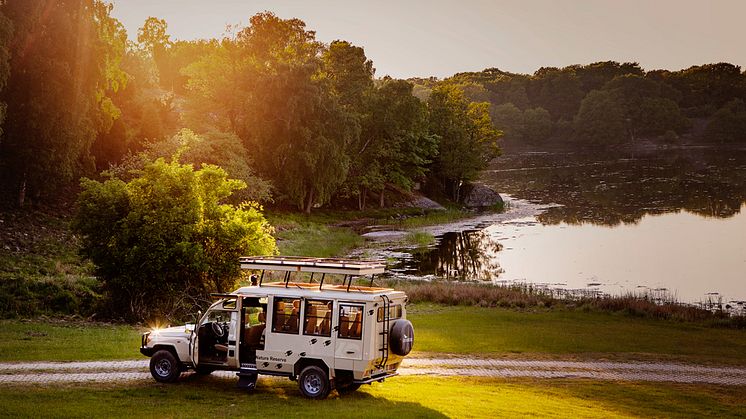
(302,122)
(607,103)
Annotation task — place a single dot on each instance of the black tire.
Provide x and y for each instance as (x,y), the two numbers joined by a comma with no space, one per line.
(314,382)
(402,337)
(164,367)
(204,370)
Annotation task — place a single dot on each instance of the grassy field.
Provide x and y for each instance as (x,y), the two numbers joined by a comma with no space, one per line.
(41,341)
(496,331)
(400,397)
(447,329)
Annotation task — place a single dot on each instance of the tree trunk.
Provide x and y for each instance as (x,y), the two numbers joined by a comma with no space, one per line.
(380,197)
(309,203)
(361,198)
(22,192)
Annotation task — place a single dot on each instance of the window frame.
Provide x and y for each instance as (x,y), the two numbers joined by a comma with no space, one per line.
(305,317)
(339,320)
(399,309)
(275,300)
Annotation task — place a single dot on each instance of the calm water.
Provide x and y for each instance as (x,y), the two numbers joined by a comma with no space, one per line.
(669,220)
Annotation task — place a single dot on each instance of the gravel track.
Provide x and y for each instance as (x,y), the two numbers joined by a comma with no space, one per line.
(137,370)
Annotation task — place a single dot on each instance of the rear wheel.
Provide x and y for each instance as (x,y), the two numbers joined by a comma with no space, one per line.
(164,367)
(314,382)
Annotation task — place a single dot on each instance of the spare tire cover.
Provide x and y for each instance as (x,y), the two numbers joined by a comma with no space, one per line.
(402,337)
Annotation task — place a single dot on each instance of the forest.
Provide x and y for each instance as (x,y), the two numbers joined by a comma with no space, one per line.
(303,123)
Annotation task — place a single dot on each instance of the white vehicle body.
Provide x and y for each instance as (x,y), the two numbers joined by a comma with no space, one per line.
(329,335)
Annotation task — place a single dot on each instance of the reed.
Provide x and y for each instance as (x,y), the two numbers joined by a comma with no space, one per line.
(526,296)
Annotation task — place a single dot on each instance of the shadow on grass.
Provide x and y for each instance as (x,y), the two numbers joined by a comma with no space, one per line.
(197,396)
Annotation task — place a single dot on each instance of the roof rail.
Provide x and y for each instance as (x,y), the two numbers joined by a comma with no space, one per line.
(344,266)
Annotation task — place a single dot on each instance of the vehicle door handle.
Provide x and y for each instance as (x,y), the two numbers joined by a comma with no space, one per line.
(350,352)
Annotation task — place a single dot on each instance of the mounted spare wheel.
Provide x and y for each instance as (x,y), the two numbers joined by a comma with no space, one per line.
(402,337)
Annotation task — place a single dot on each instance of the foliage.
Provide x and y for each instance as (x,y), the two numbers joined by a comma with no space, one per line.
(51,121)
(165,235)
(212,148)
(394,146)
(468,140)
(600,119)
(728,125)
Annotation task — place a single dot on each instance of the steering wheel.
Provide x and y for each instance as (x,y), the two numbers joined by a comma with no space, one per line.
(217,329)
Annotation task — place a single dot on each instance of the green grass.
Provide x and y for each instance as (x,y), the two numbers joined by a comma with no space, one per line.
(446,329)
(400,397)
(312,239)
(431,218)
(38,341)
(419,238)
(498,331)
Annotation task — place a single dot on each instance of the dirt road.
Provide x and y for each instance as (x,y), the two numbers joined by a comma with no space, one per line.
(110,371)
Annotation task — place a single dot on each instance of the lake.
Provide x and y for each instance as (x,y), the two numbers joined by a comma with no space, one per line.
(666,223)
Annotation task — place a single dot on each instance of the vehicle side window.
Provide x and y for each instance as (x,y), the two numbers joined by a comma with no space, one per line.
(317,318)
(350,321)
(394,312)
(286,315)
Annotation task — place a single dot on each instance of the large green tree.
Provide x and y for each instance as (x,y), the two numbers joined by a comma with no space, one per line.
(601,119)
(166,237)
(468,139)
(277,98)
(395,146)
(56,93)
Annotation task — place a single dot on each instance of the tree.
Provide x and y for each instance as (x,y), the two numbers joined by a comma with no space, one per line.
(394,146)
(557,90)
(167,236)
(6,35)
(278,100)
(537,125)
(728,124)
(509,119)
(224,150)
(55,97)
(601,119)
(468,140)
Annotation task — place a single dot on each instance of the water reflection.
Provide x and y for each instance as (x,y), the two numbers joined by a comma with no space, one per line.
(465,255)
(607,190)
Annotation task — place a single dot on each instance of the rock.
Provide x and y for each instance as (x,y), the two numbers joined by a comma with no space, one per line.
(480,196)
(420,201)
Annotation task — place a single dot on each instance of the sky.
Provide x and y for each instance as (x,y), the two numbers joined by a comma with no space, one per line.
(415,38)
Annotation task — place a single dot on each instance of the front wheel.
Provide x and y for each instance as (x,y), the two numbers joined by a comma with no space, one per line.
(164,367)
(314,382)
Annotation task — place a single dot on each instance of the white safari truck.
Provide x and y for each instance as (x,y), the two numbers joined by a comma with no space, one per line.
(324,335)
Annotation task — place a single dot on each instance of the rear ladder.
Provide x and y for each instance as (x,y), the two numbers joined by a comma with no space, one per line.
(386,331)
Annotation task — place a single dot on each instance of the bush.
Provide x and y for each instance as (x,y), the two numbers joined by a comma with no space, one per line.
(24,296)
(164,240)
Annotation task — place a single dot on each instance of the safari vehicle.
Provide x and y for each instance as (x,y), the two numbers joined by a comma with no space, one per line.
(326,336)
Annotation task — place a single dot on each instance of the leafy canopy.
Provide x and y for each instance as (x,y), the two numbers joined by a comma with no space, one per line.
(167,235)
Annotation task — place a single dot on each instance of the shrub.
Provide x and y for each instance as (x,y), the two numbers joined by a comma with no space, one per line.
(164,240)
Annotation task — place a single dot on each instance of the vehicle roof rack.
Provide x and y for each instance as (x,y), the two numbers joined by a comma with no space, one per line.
(343,266)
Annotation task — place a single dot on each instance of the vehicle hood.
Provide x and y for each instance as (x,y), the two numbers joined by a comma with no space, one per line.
(174,332)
